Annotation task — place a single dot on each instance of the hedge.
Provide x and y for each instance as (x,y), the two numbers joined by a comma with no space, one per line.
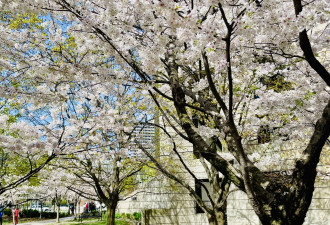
(134,216)
(32,213)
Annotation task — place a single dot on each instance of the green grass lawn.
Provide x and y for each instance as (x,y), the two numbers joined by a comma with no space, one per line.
(92,222)
(9,220)
(85,222)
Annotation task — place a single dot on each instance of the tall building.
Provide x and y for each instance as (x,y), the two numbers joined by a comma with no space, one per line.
(146,134)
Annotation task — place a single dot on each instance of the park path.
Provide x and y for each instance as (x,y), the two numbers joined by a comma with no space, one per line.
(47,221)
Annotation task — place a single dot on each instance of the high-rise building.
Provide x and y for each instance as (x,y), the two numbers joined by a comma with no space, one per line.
(146,135)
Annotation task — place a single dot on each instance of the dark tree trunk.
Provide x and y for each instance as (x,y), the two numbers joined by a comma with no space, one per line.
(111,212)
(219,218)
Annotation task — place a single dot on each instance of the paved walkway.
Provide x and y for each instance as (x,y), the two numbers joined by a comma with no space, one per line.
(47,221)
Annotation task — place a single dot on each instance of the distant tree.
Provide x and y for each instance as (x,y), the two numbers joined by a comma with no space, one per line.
(106,166)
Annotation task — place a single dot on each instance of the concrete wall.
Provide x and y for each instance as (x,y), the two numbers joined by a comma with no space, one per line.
(163,202)
(179,208)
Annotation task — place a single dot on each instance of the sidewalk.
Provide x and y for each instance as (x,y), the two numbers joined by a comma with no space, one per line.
(48,221)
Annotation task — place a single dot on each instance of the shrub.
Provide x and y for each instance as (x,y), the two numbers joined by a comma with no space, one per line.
(48,215)
(134,216)
(29,213)
(64,214)
(95,212)
(137,216)
(53,215)
(7,212)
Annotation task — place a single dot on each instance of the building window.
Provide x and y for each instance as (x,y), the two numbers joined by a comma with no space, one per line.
(200,191)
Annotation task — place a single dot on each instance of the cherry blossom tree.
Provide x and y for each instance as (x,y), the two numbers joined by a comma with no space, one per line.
(75,199)
(23,154)
(29,141)
(86,116)
(18,195)
(35,120)
(53,186)
(235,66)
(103,178)
(105,168)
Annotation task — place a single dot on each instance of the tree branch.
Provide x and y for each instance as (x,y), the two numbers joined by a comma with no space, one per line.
(306,47)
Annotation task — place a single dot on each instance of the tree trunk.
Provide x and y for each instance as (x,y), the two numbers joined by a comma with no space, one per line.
(111,212)
(219,215)
(14,221)
(219,218)
(75,208)
(53,205)
(69,204)
(58,214)
(78,207)
(40,210)
(100,209)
